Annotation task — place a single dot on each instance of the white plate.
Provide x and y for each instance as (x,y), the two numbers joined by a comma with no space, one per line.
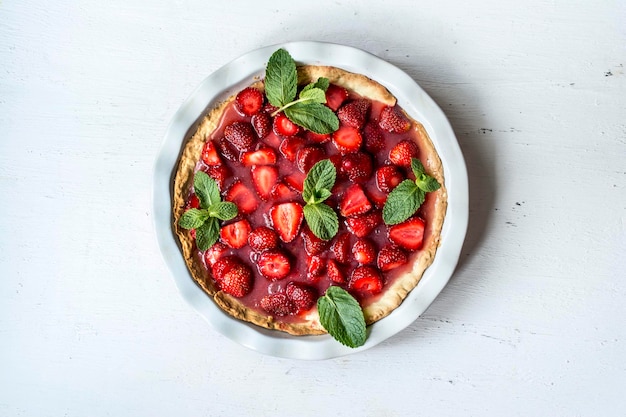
(231,78)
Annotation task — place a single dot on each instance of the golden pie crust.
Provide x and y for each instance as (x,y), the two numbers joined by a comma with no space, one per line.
(392,295)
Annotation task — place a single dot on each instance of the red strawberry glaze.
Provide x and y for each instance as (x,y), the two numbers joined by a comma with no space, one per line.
(295,250)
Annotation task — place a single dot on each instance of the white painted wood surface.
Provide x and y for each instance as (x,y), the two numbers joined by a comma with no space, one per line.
(532,322)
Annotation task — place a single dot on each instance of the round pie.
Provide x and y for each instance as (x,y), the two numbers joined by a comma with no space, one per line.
(268,266)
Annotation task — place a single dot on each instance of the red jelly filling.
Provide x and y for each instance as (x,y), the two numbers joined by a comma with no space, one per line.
(260,163)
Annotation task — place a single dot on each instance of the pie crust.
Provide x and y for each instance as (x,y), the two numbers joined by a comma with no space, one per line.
(308,324)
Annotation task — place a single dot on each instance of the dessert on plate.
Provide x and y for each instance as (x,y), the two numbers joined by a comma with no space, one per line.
(309,202)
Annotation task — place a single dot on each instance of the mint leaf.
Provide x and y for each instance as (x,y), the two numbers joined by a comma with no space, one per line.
(208,233)
(323,84)
(342,317)
(206,189)
(321,176)
(417,167)
(223,210)
(281,87)
(281,78)
(313,116)
(402,202)
(206,220)
(320,195)
(314,95)
(427,183)
(193,218)
(322,220)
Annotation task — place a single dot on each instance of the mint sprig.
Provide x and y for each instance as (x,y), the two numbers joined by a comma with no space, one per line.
(308,110)
(404,200)
(342,317)
(320,217)
(212,209)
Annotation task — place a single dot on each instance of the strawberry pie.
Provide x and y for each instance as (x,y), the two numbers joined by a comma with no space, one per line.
(296,185)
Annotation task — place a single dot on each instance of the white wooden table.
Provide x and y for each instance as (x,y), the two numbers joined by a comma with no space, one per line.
(532,322)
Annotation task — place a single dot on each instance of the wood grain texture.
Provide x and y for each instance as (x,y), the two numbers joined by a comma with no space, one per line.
(530,324)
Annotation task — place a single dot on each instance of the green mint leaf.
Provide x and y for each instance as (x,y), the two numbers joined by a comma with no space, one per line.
(313,116)
(313,95)
(427,183)
(321,176)
(307,88)
(417,167)
(206,189)
(208,233)
(281,79)
(402,202)
(320,195)
(322,220)
(342,317)
(223,210)
(193,218)
(323,84)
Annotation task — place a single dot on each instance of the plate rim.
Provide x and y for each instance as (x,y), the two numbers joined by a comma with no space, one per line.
(241,71)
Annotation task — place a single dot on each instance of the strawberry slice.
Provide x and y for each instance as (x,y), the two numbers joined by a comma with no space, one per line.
(249,101)
(262,238)
(364,251)
(214,253)
(366,279)
(209,154)
(354,202)
(286,219)
(289,147)
(262,124)
(302,296)
(357,166)
(282,192)
(193,202)
(388,177)
(227,150)
(263,156)
(237,281)
(335,96)
(377,197)
(242,196)
(354,113)
(334,272)
(341,248)
(347,139)
(240,135)
(308,156)
(219,173)
(408,234)
(317,137)
(295,180)
(277,304)
(264,178)
(390,257)
(313,245)
(402,153)
(235,234)
(274,264)
(284,127)
(364,224)
(314,267)
(393,121)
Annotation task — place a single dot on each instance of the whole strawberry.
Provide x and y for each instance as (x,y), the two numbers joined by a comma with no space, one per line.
(237,281)
(240,134)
